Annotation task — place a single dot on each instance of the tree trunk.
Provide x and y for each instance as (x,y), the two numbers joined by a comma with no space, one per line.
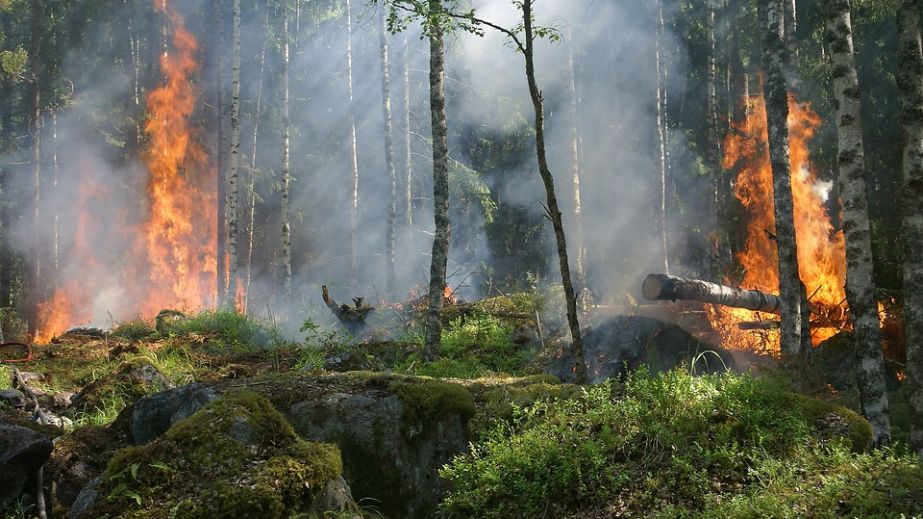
(440,254)
(791,30)
(235,157)
(661,144)
(713,148)
(548,181)
(286,166)
(776,93)
(35,127)
(408,152)
(860,288)
(251,190)
(220,253)
(658,287)
(389,151)
(574,152)
(910,87)
(353,153)
(6,145)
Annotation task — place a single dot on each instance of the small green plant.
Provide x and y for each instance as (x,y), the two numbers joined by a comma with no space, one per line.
(228,329)
(134,330)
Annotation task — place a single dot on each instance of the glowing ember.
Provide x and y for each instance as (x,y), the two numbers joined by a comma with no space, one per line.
(171,254)
(821,250)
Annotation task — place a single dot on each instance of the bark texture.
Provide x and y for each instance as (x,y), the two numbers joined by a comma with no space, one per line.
(222,178)
(574,152)
(555,214)
(440,186)
(389,152)
(234,166)
(251,190)
(408,151)
(859,283)
(286,162)
(661,140)
(910,87)
(776,93)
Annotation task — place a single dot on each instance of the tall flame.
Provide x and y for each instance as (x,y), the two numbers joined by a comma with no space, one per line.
(821,248)
(171,253)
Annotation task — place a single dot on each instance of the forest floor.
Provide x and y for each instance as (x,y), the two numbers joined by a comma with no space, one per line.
(484,431)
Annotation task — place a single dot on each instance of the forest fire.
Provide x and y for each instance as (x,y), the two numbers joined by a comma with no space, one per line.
(171,253)
(821,249)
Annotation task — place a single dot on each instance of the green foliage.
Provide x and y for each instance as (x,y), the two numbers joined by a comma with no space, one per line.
(12,325)
(228,329)
(134,330)
(424,399)
(13,62)
(653,442)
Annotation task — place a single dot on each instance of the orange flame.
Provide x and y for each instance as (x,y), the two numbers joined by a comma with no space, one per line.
(821,249)
(171,259)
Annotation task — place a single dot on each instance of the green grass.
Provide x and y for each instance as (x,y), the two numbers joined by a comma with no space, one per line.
(677,445)
(228,329)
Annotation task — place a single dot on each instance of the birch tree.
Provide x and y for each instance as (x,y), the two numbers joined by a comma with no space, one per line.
(235,156)
(286,164)
(860,289)
(776,93)
(389,151)
(353,152)
(251,189)
(408,150)
(661,139)
(221,251)
(574,152)
(712,146)
(910,88)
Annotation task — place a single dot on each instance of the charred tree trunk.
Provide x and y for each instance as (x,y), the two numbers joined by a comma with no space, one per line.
(440,254)
(548,181)
(661,140)
(860,288)
(251,189)
(221,251)
(574,151)
(286,165)
(353,153)
(910,87)
(389,151)
(234,166)
(776,93)
(663,287)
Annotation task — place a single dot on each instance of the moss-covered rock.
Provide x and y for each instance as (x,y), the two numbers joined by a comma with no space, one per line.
(237,457)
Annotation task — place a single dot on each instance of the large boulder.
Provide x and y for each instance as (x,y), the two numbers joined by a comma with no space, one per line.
(626,342)
(22,452)
(394,432)
(235,458)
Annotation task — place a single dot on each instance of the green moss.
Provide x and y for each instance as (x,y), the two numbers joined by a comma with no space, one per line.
(427,398)
(834,420)
(236,458)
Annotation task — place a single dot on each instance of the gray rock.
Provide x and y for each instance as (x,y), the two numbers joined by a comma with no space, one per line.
(86,498)
(13,398)
(153,415)
(62,399)
(335,497)
(22,452)
(385,459)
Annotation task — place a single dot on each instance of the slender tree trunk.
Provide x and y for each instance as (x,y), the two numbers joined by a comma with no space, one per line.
(55,229)
(910,87)
(389,151)
(35,127)
(222,179)
(440,254)
(574,151)
(661,144)
(408,155)
(251,190)
(860,288)
(353,153)
(134,41)
(548,180)
(791,30)
(235,157)
(286,166)
(6,145)
(712,147)
(776,93)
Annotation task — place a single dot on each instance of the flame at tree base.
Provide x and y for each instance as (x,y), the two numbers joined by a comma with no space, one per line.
(821,248)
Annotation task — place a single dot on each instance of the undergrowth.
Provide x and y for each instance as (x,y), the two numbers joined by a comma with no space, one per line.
(681,446)
(229,329)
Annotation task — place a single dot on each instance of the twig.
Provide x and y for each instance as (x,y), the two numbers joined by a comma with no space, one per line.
(40,493)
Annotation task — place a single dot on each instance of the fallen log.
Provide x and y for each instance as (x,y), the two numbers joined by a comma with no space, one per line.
(664,287)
